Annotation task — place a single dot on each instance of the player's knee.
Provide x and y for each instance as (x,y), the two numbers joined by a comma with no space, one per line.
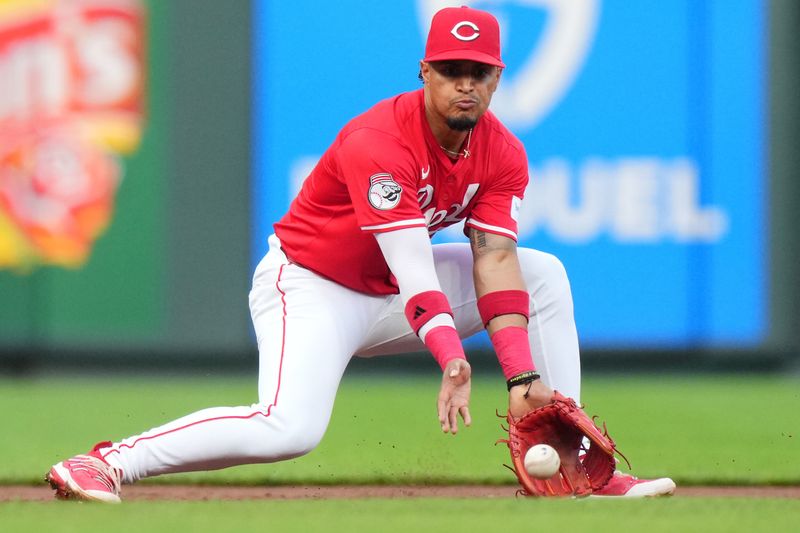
(304,440)
(300,436)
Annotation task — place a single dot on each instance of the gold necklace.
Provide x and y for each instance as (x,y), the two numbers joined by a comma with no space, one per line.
(466,151)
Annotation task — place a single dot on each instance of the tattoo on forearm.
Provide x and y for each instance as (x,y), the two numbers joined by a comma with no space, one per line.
(483,243)
(478,239)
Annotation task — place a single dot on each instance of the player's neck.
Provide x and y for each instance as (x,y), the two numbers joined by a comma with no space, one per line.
(449,140)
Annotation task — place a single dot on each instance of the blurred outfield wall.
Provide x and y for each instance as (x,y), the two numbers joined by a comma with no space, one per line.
(169,274)
(694,102)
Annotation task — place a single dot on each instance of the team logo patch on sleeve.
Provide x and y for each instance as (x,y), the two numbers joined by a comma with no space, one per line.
(384,192)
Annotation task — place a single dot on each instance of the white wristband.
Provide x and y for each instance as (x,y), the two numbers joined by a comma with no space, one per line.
(442,319)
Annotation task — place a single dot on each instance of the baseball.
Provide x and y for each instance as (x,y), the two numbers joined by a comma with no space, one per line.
(542,461)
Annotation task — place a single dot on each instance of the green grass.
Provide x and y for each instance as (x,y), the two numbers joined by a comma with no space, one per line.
(387,516)
(698,430)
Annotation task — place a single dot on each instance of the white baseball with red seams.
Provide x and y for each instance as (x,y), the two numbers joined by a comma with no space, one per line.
(542,461)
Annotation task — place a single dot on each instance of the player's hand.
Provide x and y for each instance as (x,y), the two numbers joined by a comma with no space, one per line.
(454,395)
(538,395)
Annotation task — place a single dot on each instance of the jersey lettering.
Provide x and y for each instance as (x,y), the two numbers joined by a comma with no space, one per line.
(444,217)
(425,196)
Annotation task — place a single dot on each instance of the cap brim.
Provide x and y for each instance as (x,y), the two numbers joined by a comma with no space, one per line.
(465,55)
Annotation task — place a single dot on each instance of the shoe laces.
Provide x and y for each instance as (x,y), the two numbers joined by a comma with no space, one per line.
(98,470)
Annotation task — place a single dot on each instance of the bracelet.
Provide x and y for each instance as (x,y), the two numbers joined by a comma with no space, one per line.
(520,379)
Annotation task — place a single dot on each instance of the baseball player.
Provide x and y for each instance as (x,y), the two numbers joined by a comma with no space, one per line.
(351,271)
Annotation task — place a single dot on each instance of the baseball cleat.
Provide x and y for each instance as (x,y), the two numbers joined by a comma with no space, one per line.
(624,485)
(86,477)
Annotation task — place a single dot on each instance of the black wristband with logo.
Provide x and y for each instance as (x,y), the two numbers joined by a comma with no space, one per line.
(521,379)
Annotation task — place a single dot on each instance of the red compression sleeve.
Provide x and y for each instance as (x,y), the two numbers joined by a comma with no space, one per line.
(513,351)
(444,344)
(498,303)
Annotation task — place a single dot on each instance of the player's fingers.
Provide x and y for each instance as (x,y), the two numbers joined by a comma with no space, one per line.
(453,413)
(443,418)
(465,415)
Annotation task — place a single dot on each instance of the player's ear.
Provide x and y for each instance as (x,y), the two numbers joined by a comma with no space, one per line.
(424,72)
(496,81)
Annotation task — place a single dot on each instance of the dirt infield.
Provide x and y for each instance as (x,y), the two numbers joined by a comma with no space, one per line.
(201,493)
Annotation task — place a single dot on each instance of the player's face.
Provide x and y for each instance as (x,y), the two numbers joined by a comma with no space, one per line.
(459,91)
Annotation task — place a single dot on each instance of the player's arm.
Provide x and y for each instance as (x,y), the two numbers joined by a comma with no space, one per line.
(409,255)
(503,303)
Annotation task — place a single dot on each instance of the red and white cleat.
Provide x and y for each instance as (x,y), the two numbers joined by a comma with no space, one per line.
(86,477)
(627,486)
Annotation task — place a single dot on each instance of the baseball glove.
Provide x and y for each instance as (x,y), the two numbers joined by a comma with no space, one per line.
(563,425)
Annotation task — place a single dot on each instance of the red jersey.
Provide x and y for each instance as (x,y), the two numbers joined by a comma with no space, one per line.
(386,171)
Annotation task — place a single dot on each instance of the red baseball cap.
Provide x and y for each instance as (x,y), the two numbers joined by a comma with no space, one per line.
(464,33)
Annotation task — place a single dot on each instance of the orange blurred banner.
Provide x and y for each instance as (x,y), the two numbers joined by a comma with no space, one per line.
(72,77)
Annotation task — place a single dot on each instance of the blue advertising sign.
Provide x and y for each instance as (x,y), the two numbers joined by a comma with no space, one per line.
(644,127)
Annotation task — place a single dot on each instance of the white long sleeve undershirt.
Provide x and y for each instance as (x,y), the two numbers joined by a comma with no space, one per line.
(409,254)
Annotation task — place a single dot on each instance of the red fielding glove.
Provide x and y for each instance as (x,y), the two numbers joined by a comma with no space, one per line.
(562,425)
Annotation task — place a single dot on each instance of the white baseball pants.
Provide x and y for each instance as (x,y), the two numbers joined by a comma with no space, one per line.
(308,328)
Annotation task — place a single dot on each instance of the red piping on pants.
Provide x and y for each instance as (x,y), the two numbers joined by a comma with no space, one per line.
(269,407)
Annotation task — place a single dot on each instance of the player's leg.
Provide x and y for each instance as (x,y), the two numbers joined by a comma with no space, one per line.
(551,327)
(552,332)
(305,342)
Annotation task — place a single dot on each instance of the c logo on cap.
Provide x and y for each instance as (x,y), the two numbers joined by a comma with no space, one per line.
(472,37)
